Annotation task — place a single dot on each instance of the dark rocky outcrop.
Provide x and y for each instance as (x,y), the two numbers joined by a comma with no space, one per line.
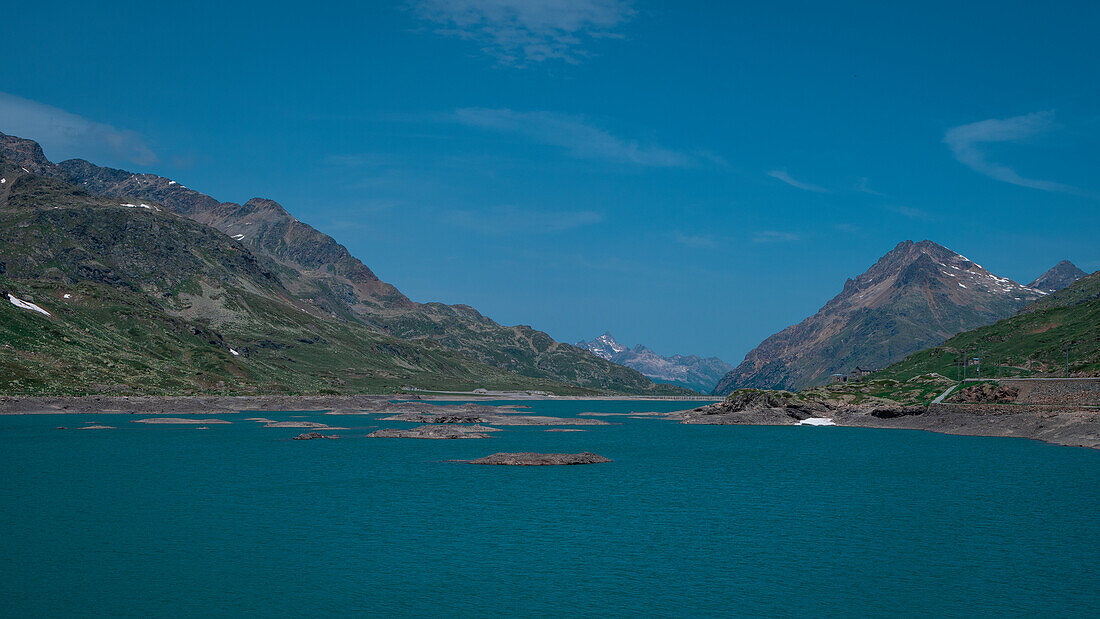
(756,407)
(308,436)
(990,393)
(890,412)
(537,459)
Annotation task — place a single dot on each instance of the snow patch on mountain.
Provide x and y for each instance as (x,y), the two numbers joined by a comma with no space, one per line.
(27,305)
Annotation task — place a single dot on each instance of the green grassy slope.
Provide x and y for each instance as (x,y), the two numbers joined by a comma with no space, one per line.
(1032,342)
(105,339)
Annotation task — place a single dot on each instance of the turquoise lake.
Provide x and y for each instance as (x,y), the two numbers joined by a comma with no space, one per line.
(689,520)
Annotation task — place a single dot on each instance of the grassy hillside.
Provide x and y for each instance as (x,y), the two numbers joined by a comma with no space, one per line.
(105,339)
(1032,342)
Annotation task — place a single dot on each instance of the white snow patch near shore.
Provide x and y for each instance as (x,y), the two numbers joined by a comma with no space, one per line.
(172,183)
(817,421)
(27,305)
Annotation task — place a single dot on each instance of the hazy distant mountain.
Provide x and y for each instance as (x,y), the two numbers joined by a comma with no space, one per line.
(312,269)
(1058,277)
(914,297)
(691,371)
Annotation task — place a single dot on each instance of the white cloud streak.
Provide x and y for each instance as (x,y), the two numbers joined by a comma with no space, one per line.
(965,142)
(519,32)
(63,134)
(572,133)
(782,175)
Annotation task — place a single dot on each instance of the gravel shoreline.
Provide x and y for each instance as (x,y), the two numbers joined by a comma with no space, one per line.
(1069,425)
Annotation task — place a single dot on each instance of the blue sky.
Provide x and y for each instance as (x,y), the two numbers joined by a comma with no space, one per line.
(689,175)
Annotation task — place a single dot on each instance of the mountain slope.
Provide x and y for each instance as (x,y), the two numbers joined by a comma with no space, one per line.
(1058,277)
(117,295)
(318,271)
(915,296)
(689,371)
(1031,342)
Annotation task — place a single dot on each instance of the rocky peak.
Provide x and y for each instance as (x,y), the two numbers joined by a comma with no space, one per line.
(926,265)
(266,206)
(1058,277)
(917,295)
(26,154)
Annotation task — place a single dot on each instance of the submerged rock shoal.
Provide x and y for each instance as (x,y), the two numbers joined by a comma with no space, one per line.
(537,459)
(308,436)
(497,420)
(179,421)
(433,432)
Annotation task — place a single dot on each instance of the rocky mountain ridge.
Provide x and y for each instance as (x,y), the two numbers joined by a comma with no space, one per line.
(320,274)
(915,296)
(1058,277)
(124,296)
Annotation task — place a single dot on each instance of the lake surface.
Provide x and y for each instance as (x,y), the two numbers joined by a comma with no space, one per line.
(155,520)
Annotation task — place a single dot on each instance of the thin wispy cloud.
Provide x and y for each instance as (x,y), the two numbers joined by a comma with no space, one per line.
(63,134)
(359,160)
(863,185)
(519,32)
(965,143)
(695,240)
(774,236)
(783,176)
(575,134)
(510,219)
(910,212)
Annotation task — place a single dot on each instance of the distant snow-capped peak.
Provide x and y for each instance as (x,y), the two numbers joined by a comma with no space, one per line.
(604,346)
